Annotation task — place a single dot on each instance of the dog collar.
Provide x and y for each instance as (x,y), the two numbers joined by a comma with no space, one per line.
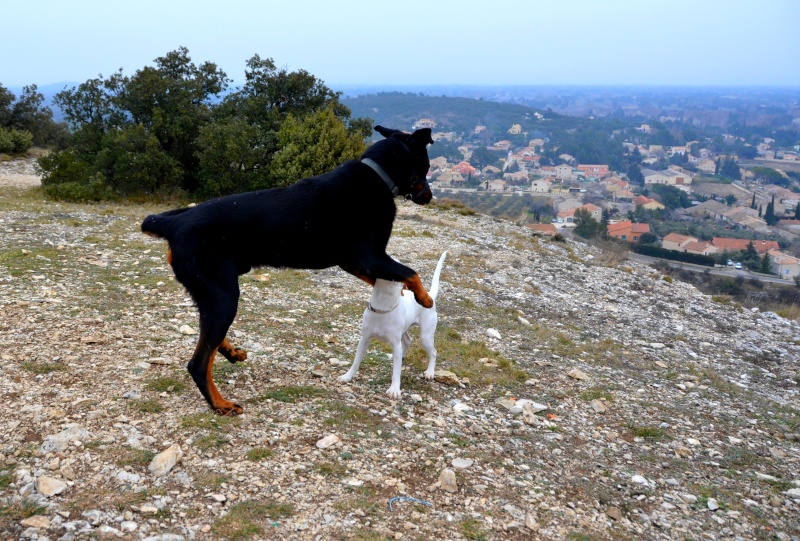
(381,173)
(378,311)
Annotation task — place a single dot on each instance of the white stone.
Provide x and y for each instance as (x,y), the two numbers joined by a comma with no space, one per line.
(49,486)
(164,461)
(447,480)
(462,463)
(328,441)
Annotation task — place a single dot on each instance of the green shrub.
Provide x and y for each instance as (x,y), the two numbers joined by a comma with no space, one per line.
(13,141)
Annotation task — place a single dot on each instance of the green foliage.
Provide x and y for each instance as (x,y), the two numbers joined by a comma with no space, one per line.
(311,146)
(587,227)
(164,131)
(671,197)
(729,169)
(25,121)
(14,141)
(766,264)
(770,176)
(655,251)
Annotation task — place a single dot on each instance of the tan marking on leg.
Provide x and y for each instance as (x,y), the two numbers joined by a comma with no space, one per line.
(169,256)
(219,404)
(232,353)
(420,293)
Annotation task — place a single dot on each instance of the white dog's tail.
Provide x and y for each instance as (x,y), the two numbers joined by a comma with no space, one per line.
(434,290)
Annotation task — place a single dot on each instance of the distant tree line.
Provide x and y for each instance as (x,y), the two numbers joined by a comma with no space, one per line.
(167,129)
(26,122)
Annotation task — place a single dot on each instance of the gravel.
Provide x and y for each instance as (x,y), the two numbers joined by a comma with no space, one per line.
(593,398)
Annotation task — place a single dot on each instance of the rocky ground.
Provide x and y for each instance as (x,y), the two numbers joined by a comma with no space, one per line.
(595,399)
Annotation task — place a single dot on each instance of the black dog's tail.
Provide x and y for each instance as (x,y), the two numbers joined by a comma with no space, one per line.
(161,225)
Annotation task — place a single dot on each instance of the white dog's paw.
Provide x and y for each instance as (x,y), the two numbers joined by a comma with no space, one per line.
(429,374)
(393,393)
(344,378)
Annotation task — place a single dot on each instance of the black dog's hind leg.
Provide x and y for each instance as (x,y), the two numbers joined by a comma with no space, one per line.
(217,301)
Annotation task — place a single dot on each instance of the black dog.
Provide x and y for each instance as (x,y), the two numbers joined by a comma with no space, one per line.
(343,217)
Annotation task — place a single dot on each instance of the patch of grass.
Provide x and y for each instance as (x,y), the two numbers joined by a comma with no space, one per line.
(258,454)
(135,457)
(16,511)
(648,432)
(244,519)
(41,368)
(292,393)
(363,498)
(210,441)
(470,528)
(5,478)
(147,405)
(596,393)
(291,279)
(343,415)
(463,358)
(330,469)
(165,384)
(211,480)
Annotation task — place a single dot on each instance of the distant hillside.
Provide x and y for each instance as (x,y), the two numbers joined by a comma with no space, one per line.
(401,110)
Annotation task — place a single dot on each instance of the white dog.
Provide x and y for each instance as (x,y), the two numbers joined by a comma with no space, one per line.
(389,315)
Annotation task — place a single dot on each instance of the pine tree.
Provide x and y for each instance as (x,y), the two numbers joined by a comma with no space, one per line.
(753,203)
(766,264)
(797,212)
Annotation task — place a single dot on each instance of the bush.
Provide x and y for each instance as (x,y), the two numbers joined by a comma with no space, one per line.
(13,141)
(655,251)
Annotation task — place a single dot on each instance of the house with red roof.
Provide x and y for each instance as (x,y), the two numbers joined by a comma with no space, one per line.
(627,230)
(736,245)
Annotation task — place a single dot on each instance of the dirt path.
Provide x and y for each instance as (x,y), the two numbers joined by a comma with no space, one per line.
(19,172)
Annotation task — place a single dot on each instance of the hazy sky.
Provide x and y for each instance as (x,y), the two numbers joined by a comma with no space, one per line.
(483,42)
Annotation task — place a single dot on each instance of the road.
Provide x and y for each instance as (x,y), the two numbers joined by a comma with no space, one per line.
(717,271)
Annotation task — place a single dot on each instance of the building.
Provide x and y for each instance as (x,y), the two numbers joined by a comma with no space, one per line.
(784,265)
(594,171)
(708,167)
(545,229)
(675,241)
(735,245)
(423,123)
(496,185)
(647,203)
(540,185)
(668,177)
(627,230)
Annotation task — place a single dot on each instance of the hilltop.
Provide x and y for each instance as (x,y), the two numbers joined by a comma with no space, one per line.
(667,412)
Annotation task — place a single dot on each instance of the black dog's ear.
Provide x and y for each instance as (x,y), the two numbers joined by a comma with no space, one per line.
(388,132)
(423,136)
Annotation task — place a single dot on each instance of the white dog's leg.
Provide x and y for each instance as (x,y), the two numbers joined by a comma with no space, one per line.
(397,365)
(360,352)
(427,343)
(406,343)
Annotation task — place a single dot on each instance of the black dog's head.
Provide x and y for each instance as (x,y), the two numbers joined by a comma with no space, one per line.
(413,186)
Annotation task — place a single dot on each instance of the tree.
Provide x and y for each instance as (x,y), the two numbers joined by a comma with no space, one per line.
(730,199)
(766,264)
(165,130)
(25,121)
(729,169)
(482,156)
(769,214)
(797,212)
(587,227)
(311,146)
(635,175)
